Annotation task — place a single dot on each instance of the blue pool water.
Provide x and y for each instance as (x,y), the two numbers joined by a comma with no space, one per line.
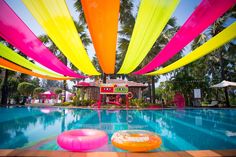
(189,129)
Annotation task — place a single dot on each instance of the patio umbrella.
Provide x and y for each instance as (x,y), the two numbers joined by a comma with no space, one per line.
(224,84)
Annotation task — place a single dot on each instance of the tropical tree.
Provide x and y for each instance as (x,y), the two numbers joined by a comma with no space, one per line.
(37,91)
(58,91)
(25,89)
(220,64)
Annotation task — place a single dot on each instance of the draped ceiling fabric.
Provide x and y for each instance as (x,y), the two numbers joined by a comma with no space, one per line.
(14,31)
(11,66)
(55,19)
(102,19)
(220,39)
(203,16)
(152,17)
(12,56)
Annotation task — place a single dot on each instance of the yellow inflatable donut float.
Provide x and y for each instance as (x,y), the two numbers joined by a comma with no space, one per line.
(136,140)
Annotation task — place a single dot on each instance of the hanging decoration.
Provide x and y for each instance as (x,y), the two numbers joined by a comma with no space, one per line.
(102,19)
(55,19)
(203,16)
(220,39)
(14,31)
(152,17)
(11,66)
(14,57)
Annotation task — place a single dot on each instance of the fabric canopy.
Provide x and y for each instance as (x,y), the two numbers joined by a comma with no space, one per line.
(12,56)
(102,19)
(220,39)
(14,31)
(151,19)
(224,84)
(11,66)
(55,19)
(203,16)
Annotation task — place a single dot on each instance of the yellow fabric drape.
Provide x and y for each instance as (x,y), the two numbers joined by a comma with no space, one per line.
(55,19)
(102,19)
(152,17)
(12,56)
(220,39)
(11,66)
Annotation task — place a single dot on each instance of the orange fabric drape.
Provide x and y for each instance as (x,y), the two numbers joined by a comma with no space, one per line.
(102,19)
(14,67)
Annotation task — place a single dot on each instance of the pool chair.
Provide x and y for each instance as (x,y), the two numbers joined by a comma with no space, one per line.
(214,103)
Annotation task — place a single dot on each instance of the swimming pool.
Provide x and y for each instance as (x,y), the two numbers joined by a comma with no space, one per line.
(189,129)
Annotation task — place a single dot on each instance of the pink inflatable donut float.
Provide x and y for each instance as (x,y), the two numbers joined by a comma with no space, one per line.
(82,140)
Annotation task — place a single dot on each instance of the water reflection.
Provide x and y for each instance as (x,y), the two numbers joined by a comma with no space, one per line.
(179,129)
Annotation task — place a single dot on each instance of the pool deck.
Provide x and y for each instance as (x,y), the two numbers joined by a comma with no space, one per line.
(37,153)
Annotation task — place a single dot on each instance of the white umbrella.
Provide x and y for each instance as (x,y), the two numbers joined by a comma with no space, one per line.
(224,84)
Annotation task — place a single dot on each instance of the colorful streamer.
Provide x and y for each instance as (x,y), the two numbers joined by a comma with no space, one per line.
(102,19)
(217,41)
(11,66)
(152,17)
(55,19)
(14,57)
(13,30)
(203,16)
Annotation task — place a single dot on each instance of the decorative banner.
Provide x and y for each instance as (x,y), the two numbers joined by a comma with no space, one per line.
(121,90)
(203,16)
(217,41)
(106,89)
(113,89)
(12,56)
(102,19)
(14,31)
(11,66)
(152,17)
(55,19)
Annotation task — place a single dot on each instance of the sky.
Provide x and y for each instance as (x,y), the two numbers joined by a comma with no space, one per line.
(182,12)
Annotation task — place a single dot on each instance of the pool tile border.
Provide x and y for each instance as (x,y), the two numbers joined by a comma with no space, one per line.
(40,153)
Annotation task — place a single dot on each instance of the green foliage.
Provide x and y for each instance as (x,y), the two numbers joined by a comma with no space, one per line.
(25,88)
(139,103)
(58,90)
(37,91)
(66,103)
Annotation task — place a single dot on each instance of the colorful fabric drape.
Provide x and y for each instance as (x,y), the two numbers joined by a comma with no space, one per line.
(152,17)
(102,19)
(11,66)
(203,16)
(14,31)
(14,57)
(220,39)
(55,19)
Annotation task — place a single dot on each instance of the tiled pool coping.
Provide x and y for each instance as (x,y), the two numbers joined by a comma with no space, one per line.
(38,153)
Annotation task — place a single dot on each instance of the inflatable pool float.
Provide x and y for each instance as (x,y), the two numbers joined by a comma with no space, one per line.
(82,140)
(136,140)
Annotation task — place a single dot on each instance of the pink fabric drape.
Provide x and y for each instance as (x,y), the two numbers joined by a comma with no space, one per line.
(203,16)
(15,31)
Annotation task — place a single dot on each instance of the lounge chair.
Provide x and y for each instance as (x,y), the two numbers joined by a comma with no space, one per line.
(214,103)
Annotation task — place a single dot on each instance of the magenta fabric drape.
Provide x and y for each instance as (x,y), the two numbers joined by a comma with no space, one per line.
(16,32)
(203,16)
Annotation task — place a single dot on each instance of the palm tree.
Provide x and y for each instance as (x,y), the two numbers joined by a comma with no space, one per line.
(219,63)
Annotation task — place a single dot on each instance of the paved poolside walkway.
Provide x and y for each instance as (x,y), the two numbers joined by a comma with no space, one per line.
(37,153)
